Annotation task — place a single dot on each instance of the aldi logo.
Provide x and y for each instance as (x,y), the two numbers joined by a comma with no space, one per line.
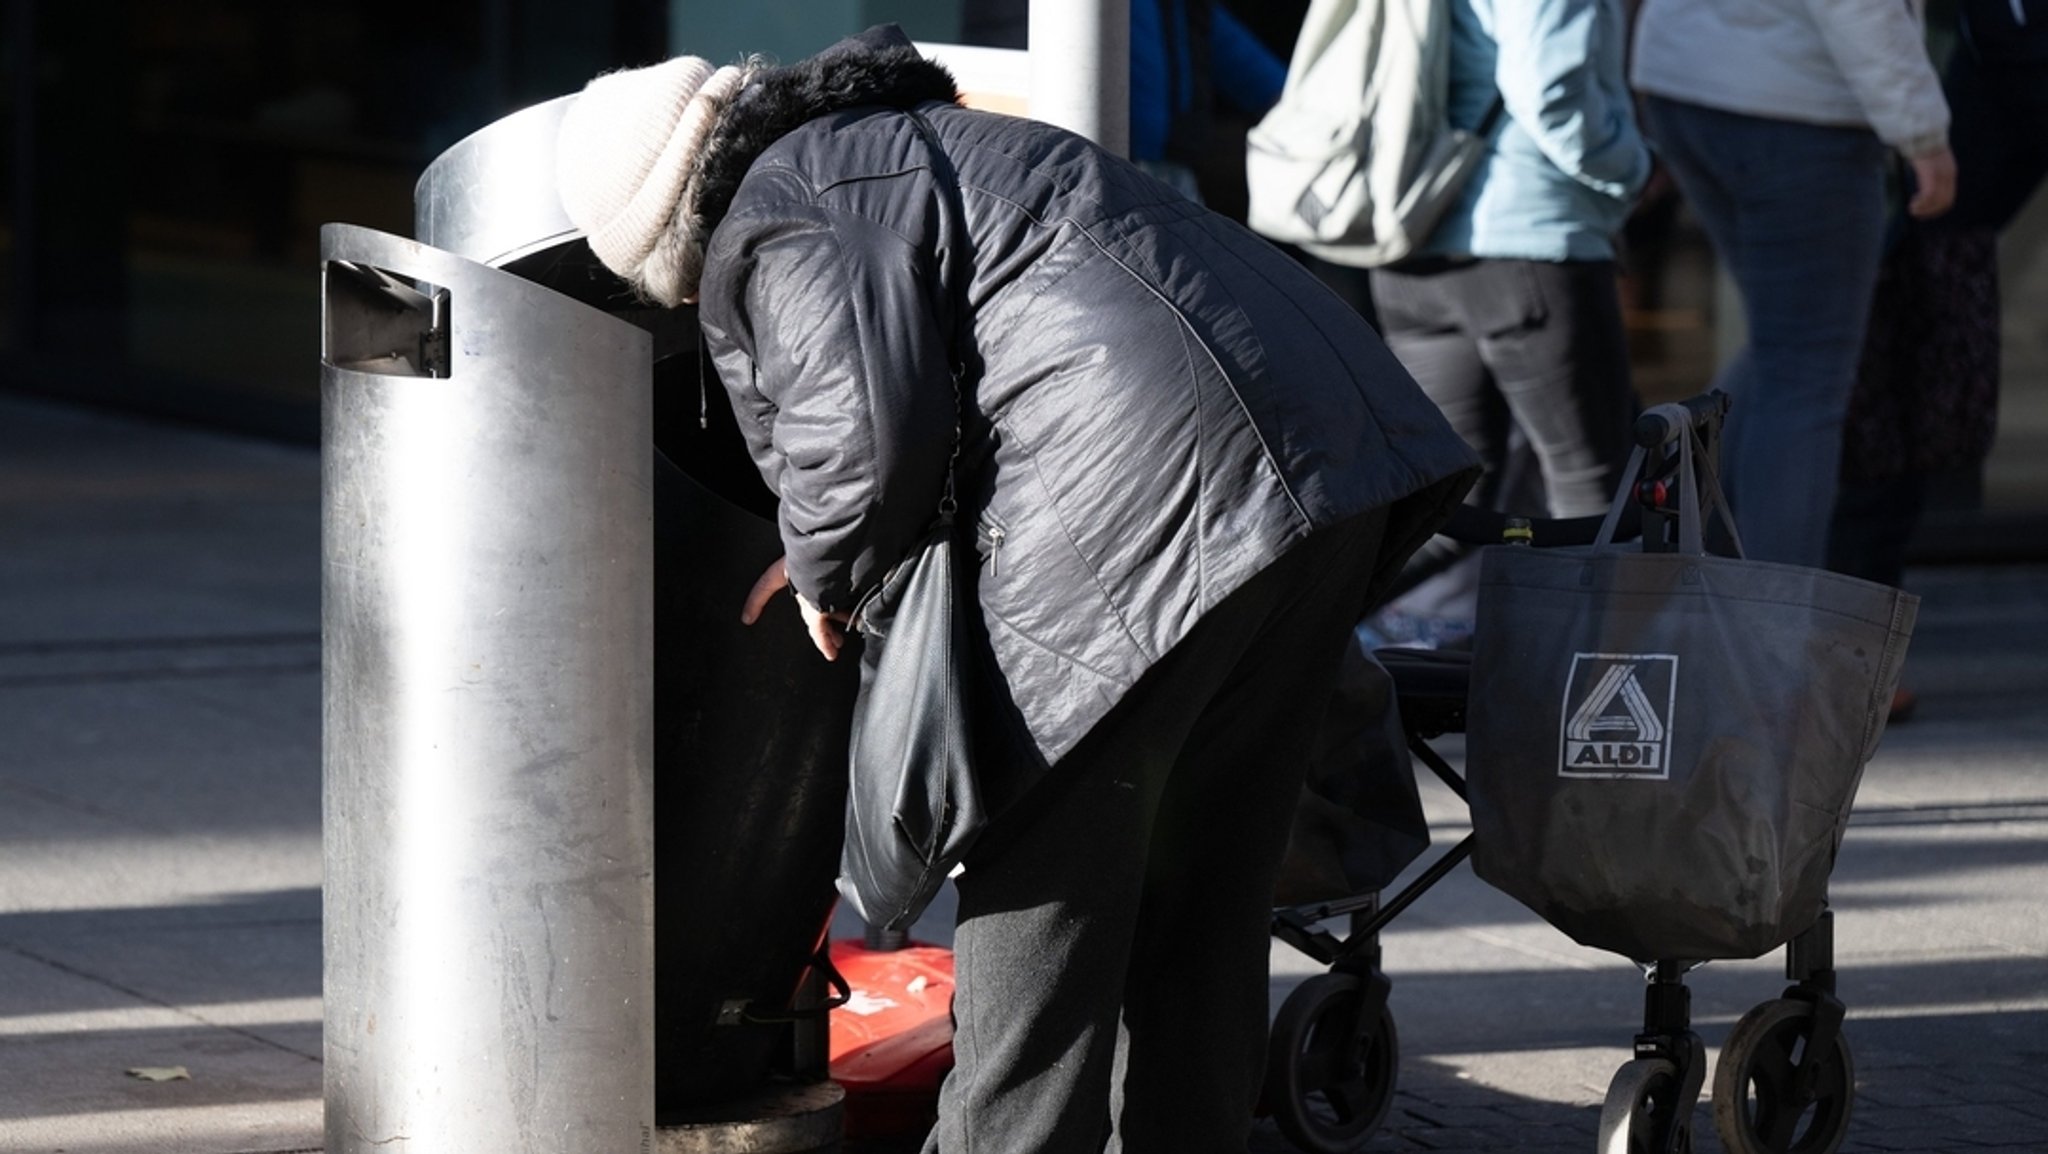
(1617,715)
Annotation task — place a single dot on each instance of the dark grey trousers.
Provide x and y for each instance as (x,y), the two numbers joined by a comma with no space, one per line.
(1134,883)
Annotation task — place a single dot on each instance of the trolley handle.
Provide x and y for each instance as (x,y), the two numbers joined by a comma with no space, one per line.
(1471,525)
(1661,424)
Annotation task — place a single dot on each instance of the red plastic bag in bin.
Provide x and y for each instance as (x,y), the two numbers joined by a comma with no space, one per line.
(892,1042)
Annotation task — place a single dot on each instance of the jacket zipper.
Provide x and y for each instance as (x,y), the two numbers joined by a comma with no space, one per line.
(992,535)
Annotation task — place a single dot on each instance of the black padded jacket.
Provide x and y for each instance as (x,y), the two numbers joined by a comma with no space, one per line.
(1154,403)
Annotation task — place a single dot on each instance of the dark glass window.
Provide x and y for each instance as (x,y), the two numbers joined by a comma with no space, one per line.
(171,162)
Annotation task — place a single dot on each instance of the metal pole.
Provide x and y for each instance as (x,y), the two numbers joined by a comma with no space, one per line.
(1081,68)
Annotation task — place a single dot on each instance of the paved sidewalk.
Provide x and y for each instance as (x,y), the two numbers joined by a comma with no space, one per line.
(160,849)
(159,787)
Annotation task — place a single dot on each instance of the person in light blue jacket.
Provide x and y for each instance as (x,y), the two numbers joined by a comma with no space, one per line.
(1510,314)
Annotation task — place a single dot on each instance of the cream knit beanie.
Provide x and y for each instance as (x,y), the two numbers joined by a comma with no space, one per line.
(622,161)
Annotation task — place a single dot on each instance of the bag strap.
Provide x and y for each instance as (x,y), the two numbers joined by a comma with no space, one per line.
(1625,492)
(1701,469)
(949,180)
(949,503)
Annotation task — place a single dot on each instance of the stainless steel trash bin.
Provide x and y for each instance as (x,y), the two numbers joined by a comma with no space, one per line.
(488,734)
(739,734)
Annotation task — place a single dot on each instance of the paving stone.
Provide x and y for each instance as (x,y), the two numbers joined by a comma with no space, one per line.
(1867,1117)
(1993,1091)
(2037,1109)
(1461,1117)
(1905,1095)
(1913,1140)
(1453,1095)
(1991,1116)
(1539,1113)
(1457,1139)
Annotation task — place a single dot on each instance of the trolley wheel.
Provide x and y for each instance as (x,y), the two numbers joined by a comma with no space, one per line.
(1641,1102)
(1757,1108)
(1331,1065)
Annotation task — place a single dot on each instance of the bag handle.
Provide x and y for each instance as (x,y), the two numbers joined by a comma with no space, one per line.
(1603,541)
(1656,428)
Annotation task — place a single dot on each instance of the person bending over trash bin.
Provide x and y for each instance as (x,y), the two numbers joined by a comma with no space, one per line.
(1189,469)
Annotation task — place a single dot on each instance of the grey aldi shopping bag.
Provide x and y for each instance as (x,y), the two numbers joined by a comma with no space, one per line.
(1663,747)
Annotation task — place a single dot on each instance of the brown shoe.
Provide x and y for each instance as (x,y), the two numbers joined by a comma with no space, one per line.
(1903,702)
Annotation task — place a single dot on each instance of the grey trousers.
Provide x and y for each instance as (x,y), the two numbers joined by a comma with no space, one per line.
(1528,343)
(1133,885)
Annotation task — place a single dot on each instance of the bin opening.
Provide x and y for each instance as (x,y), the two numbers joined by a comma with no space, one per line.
(693,420)
(376,322)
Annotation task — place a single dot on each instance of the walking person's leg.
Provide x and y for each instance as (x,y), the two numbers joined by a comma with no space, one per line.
(1425,318)
(1678,131)
(1428,325)
(1564,374)
(1796,212)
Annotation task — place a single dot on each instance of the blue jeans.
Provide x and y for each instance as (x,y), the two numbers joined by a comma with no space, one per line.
(1796,212)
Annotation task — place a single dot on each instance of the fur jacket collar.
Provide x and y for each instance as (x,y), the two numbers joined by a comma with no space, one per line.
(877,67)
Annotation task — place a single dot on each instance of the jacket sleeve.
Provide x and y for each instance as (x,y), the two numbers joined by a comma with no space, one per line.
(1547,72)
(1880,46)
(825,332)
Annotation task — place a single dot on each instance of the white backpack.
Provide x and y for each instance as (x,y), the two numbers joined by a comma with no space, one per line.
(1358,161)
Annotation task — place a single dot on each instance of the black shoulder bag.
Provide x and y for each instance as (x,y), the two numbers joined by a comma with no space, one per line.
(913,807)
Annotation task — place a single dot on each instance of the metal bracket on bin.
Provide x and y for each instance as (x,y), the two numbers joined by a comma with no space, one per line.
(375,323)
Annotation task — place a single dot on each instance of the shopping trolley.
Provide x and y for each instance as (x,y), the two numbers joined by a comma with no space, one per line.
(1784,1081)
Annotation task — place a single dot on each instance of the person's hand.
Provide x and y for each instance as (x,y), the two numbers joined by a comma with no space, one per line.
(827,630)
(1934,184)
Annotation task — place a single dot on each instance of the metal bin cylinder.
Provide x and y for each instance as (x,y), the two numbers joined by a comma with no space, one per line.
(487,621)
(749,725)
